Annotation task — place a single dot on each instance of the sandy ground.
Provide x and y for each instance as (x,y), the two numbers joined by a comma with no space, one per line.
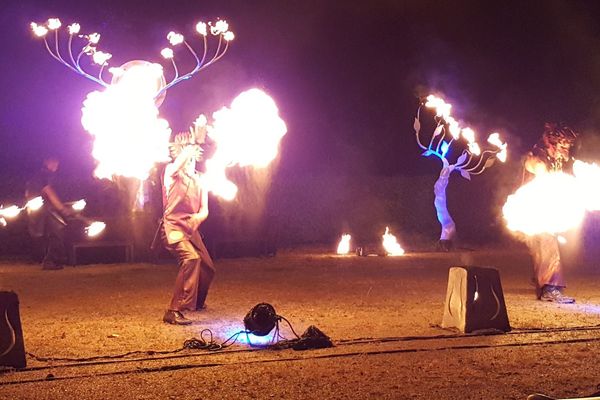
(381,312)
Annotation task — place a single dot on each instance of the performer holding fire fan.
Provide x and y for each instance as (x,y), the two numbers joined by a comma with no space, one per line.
(550,154)
(47,225)
(185,205)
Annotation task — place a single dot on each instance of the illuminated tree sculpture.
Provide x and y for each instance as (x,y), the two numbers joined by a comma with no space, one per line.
(450,141)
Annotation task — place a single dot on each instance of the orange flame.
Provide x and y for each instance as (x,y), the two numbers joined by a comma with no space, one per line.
(344,244)
(391,245)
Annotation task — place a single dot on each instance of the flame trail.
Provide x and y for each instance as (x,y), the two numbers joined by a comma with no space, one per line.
(554,202)
(35,204)
(246,134)
(391,245)
(95,228)
(79,205)
(344,244)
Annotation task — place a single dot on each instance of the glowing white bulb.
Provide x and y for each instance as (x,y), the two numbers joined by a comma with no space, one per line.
(101,57)
(175,38)
(502,155)
(228,36)
(39,30)
(167,53)
(74,28)
(468,134)
(94,38)
(221,26)
(474,148)
(201,28)
(54,24)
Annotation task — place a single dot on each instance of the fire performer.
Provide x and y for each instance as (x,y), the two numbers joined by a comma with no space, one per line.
(47,224)
(185,205)
(550,154)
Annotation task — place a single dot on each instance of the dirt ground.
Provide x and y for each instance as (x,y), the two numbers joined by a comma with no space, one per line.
(383,314)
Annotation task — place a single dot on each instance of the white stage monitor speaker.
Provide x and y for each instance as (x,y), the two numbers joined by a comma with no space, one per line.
(474,300)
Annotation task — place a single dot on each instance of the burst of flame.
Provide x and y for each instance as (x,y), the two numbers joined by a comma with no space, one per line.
(544,205)
(344,244)
(95,228)
(129,138)
(35,204)
(554,202)
(2,222)
(246,134)
(79,205)
(391,245)
(588,176)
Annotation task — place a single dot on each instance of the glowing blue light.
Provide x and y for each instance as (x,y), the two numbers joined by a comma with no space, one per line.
(244,338)
(444,148)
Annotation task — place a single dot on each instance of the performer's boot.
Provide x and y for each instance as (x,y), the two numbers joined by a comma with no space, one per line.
(175,317)
(554,294)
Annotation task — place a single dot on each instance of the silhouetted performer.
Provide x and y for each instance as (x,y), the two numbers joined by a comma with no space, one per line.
(550,154)
(185,206)
(47,224)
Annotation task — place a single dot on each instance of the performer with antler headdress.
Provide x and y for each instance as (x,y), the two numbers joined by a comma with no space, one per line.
(550,154)
(185,205)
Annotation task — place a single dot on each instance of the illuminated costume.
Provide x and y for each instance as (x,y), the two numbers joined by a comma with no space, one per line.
(47,224)
(550,154)
(185,206)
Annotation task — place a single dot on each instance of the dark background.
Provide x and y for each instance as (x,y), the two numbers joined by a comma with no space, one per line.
(347,76)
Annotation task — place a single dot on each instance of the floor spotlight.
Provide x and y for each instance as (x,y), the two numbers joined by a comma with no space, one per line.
(261,319)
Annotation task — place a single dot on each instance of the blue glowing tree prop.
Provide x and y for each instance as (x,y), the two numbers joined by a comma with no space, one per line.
(446,137)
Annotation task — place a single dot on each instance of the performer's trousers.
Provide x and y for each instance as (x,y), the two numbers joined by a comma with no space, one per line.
(196,272)
(55,242)
(547,267)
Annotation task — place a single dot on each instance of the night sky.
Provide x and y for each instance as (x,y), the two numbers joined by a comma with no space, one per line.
(346,74)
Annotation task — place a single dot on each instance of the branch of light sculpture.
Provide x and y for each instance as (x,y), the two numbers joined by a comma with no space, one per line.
(176,39)
(99,57)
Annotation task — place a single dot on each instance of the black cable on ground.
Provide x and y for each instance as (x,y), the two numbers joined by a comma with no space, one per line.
(210,345)
(290,359)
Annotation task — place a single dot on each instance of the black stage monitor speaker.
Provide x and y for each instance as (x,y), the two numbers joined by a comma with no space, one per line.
(474,300)
(12,349)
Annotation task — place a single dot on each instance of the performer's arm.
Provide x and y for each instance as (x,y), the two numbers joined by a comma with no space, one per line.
(202,214)
(182,159)
(534,165)
(51,197)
